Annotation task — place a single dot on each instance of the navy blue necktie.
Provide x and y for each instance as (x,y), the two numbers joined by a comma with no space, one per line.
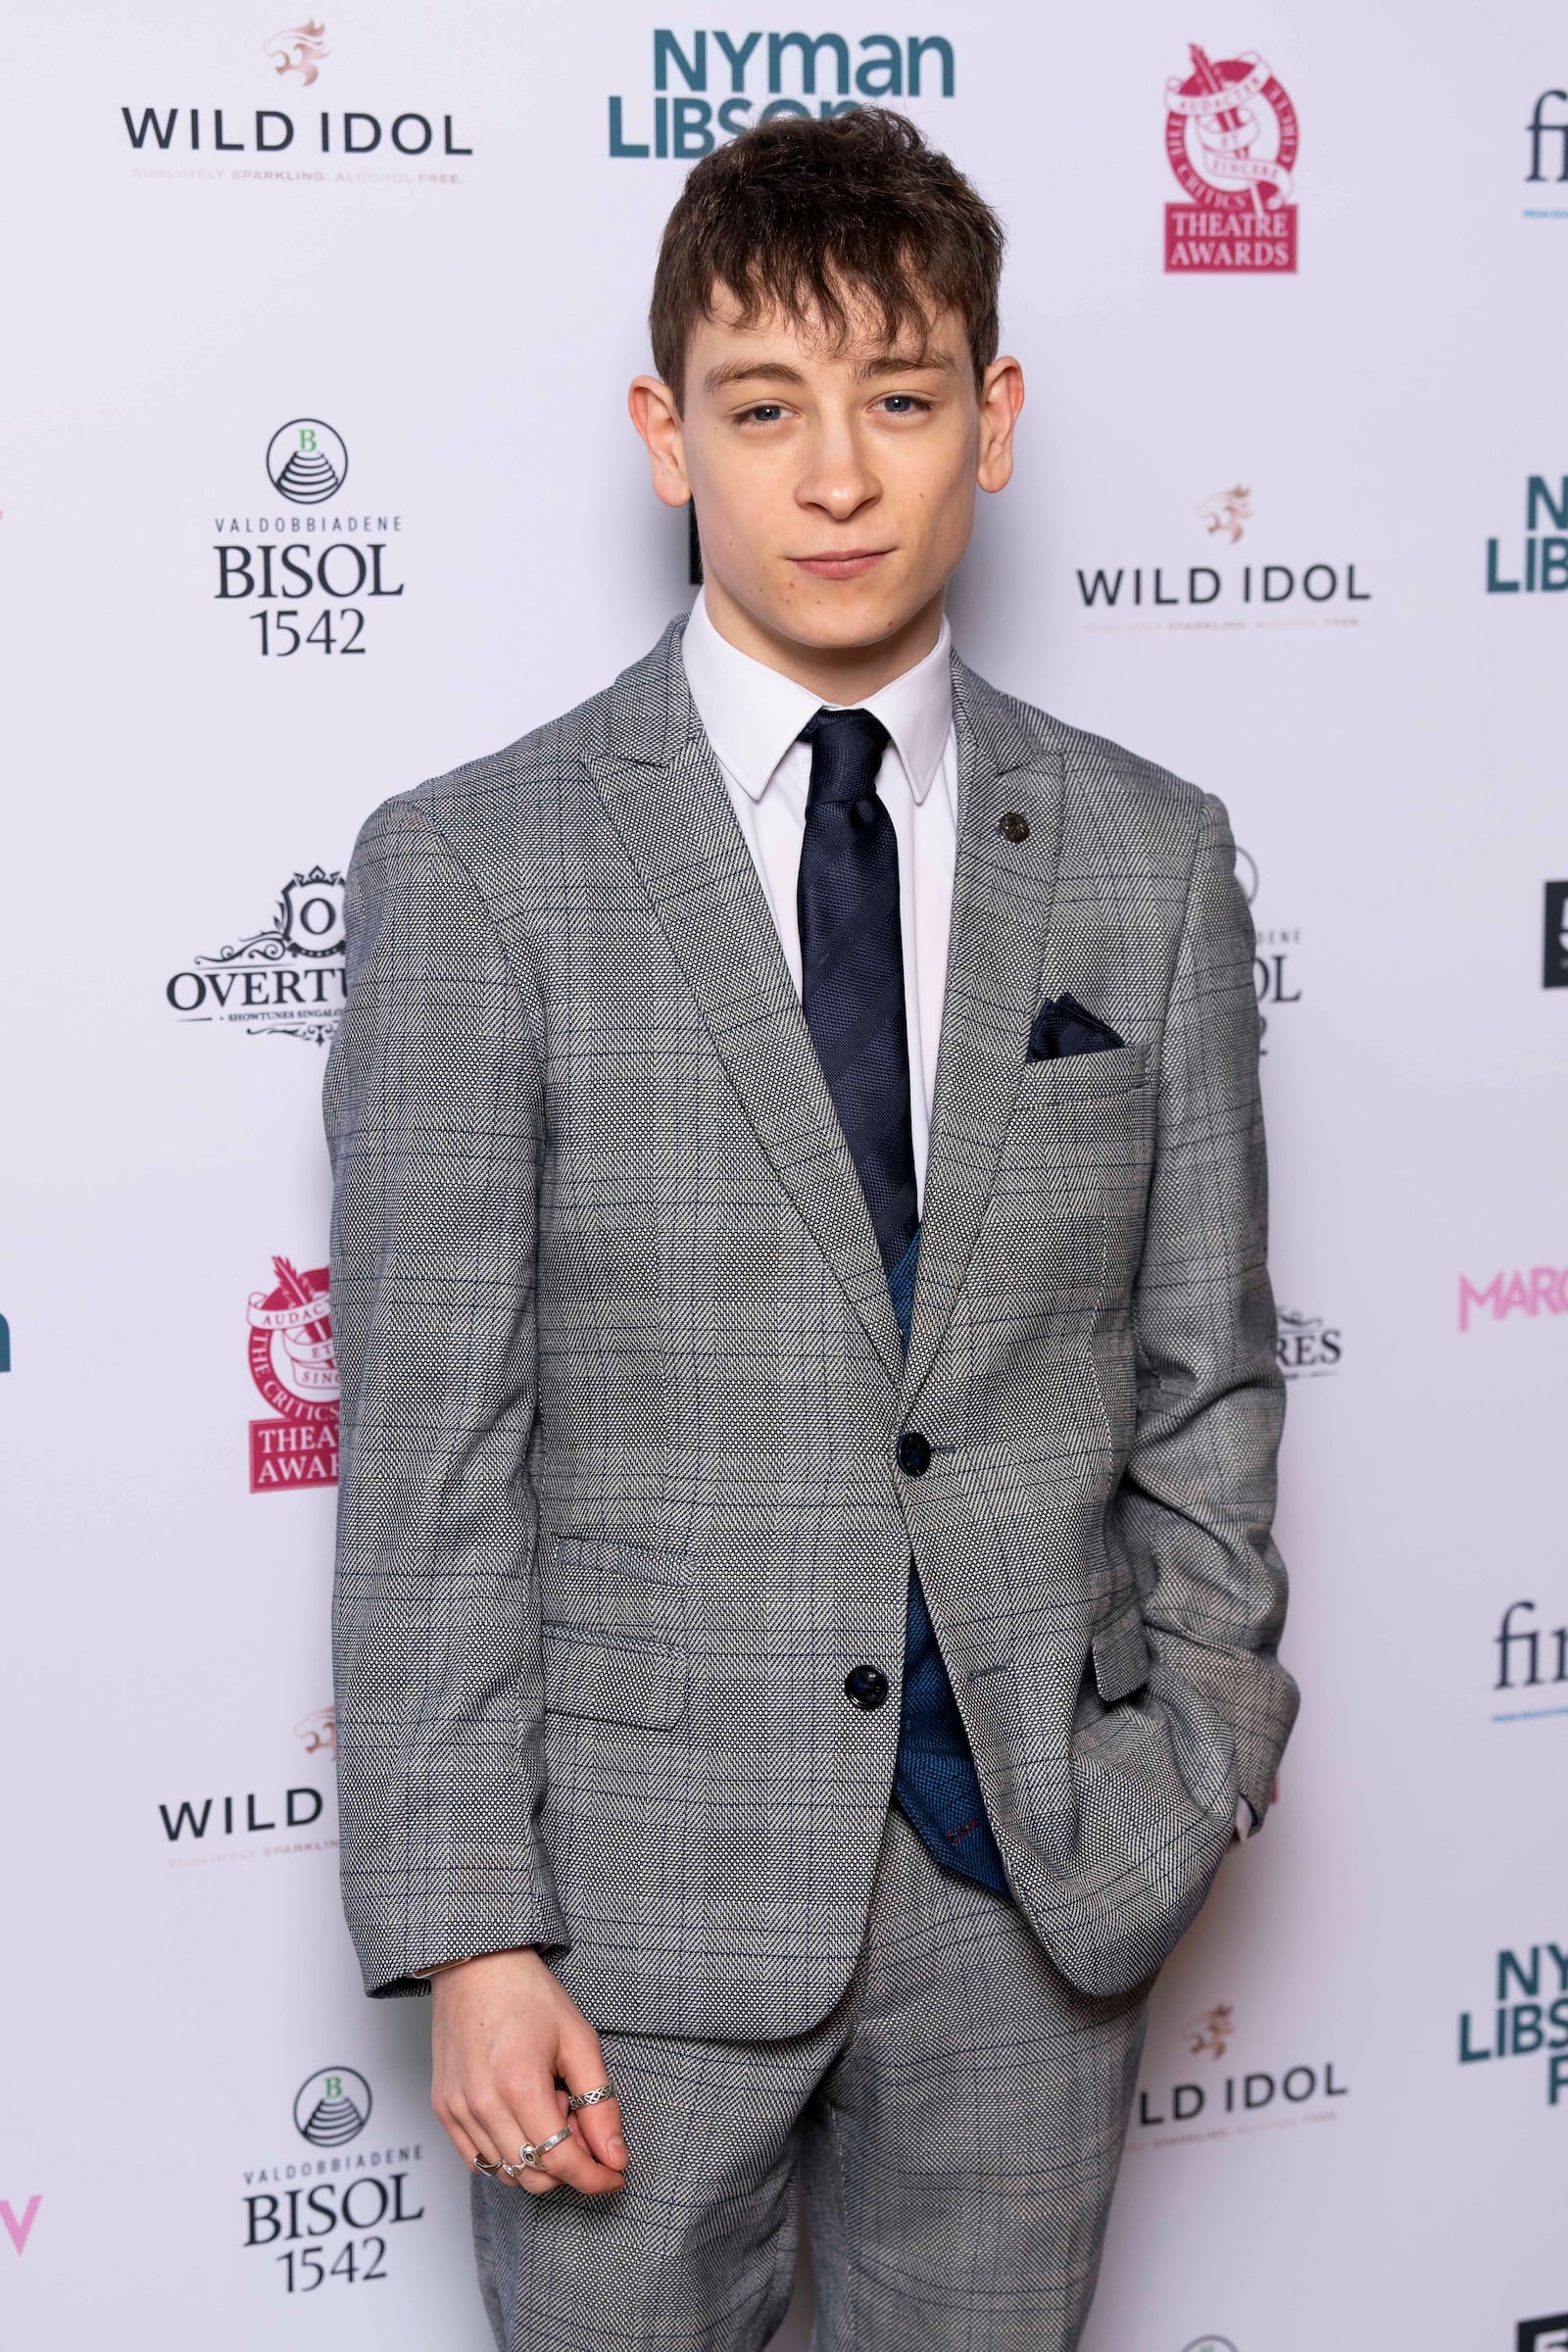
(851,987)
(851,966)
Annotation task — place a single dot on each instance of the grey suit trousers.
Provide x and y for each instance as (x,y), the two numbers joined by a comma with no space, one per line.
(952,2128)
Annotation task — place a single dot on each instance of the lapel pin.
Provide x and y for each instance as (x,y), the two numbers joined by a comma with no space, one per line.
(1014,827)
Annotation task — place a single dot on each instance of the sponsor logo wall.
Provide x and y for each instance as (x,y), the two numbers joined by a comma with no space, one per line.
(322,486)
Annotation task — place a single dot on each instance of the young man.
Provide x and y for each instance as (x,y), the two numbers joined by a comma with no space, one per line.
(806,1616)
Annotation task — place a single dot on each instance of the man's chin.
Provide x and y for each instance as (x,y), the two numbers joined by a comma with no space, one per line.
(840,621)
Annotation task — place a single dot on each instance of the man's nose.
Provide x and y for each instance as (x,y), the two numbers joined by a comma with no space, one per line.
(839,480)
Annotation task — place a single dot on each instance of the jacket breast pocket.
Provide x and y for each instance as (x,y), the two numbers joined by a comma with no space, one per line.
(613,1632)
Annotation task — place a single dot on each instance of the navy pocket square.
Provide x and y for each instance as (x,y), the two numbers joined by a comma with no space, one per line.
(1063,1026)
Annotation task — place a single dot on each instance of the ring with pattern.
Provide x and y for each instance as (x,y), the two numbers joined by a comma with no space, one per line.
(590,2098)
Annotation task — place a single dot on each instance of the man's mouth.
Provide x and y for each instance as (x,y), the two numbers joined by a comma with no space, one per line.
(845,564)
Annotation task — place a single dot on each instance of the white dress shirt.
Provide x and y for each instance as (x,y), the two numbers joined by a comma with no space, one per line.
(752,717)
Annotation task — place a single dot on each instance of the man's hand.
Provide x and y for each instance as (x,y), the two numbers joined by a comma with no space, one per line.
(504,2030)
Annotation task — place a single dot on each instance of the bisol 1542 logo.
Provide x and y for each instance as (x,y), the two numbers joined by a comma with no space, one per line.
(284,981)
(1276,951)
(709,87)
(328,2218)
(293,1365)
(308,580)
(1230,135)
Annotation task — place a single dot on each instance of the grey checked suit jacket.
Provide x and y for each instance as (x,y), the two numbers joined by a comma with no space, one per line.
(622,1386)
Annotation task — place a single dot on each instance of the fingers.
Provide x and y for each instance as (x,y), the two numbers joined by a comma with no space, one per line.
(572,2161)
(582,2064)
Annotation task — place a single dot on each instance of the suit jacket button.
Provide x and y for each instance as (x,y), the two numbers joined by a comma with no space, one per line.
(914,1455)
(1013,826)
(867,1685)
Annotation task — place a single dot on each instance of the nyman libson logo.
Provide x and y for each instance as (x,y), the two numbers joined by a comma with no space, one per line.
(1540,567)
(709,87)
(1527,2017)
(1230,135)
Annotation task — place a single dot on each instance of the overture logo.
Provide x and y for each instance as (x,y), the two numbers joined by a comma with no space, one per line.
(285,981)
(332,2107)
(294,1366)
(1308,1346)
(306,461)
(1232,136)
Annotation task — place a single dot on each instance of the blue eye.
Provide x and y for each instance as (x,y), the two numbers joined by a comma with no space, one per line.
(903,404)
(767,412)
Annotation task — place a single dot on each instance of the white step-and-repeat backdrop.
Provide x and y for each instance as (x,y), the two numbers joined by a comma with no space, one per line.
(320,481)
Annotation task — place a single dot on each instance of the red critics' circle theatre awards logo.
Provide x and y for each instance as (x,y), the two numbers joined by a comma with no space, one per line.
(294,1366)
(1230,135)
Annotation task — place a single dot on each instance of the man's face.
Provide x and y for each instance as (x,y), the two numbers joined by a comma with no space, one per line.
(834,485)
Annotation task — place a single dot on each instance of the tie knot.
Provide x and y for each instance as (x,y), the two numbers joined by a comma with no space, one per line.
(847,747)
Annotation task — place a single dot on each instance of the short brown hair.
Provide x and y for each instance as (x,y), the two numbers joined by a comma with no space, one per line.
(797,212)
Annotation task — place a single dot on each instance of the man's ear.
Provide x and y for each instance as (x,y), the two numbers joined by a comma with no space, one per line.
(658,419)
(1000,398)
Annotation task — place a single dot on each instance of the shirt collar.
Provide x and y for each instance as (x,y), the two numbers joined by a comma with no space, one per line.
(752,714)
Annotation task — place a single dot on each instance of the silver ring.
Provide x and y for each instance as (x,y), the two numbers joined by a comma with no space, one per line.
(529,2154)
(590,2098)
(489,2169)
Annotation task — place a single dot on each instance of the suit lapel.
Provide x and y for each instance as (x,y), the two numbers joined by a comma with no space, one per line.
(663,788)
(1002,895)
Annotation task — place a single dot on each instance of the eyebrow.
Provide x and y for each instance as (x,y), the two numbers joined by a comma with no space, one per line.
(779,372)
